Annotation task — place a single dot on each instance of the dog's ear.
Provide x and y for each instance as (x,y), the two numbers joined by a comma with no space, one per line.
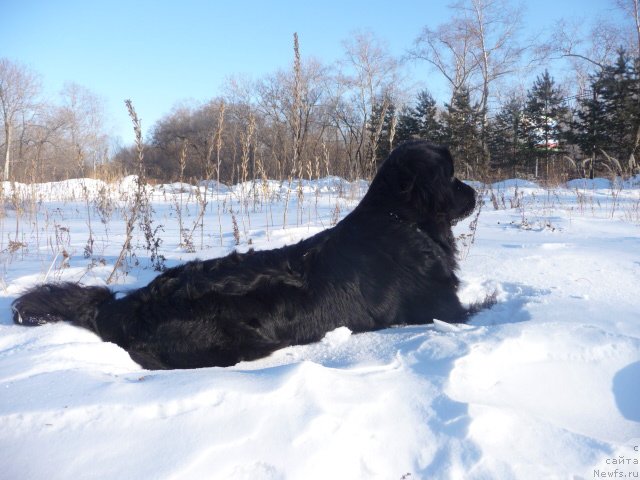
(432,172)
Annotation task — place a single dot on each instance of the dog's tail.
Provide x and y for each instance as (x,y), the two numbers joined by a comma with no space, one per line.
(60,301)
(489,301)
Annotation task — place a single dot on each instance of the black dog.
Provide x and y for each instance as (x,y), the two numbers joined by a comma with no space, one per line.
(390,261)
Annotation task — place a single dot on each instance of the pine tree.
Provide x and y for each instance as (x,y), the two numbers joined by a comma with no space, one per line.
(545,112)
(505,135)
(544,118)
(426,112)
(462,122)
(608,119)
(590,129)
(408,125)
(421,121)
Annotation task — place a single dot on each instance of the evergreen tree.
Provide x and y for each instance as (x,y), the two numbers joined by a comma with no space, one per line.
(429,127)
(408,127)
(505,136)
(608,119)
(421,121)
(545,113)
(462,122)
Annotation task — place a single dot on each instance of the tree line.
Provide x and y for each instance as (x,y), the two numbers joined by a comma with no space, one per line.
(595,132)
(41,140)
(314,119)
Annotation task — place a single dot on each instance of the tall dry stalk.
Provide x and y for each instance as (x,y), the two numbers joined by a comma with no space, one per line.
(266,200)
(218,164)
(287,195)
(296,122)
(247,140)
(297,102)
(132,213)
(468,239)
(215,143)
(186,241)
(300,194)
(88,248)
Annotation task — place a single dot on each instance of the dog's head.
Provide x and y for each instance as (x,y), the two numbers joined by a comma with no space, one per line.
(417,182)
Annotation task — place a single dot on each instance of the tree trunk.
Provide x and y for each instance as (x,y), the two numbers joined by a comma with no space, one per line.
(7,155)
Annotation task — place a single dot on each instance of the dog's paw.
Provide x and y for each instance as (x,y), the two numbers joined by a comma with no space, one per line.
(33,319)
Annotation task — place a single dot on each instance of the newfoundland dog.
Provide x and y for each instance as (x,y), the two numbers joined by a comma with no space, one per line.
(391,261)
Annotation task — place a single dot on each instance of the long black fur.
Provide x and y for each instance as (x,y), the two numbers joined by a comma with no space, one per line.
(390,261)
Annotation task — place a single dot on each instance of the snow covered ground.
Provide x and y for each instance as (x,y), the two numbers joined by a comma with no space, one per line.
(544,385)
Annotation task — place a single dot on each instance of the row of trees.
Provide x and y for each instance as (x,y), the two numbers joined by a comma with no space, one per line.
(309,120)
(43,140)
(597,131)
(315,119)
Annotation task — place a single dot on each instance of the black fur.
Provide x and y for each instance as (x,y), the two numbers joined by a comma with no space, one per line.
(390,261)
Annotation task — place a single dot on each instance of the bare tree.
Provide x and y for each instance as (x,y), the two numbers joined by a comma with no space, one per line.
(478,47)
(449,50)
(632,9)
(584,49)
(371,75)
(297,111)
(40,145)
(589,46)
(293,105)
(19,88)
(494,26)
(84,115)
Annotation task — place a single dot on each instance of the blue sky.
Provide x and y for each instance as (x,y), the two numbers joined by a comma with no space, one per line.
(159,53)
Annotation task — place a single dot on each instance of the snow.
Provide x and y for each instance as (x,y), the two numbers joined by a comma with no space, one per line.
(544,385)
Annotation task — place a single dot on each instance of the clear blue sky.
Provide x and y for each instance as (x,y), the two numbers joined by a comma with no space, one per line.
(158,53)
